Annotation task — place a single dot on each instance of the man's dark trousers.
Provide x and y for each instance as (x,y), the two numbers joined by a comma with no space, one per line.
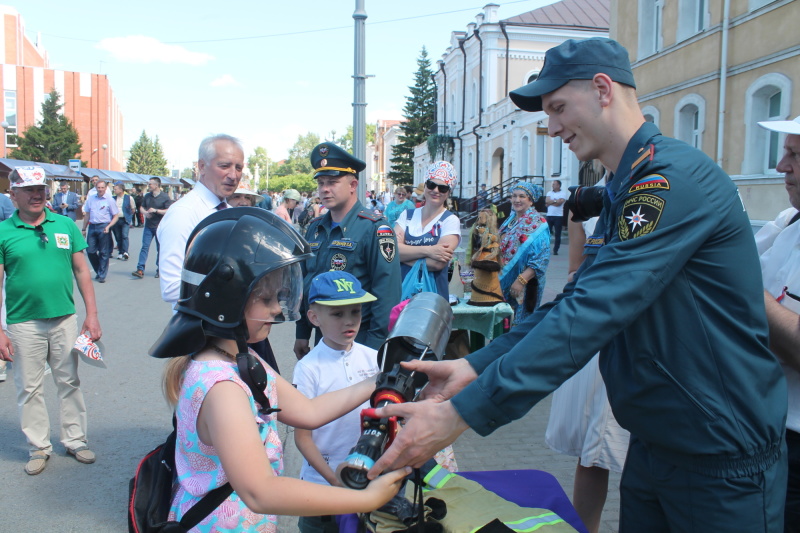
(556,224)
(99,248)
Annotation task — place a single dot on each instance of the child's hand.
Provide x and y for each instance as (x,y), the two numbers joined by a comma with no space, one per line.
(385,486)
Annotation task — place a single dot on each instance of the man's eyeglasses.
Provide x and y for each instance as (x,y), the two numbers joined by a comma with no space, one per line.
(42,236)
(442,188)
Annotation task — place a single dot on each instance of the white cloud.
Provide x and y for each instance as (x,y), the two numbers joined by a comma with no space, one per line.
(226,80)
(141,49)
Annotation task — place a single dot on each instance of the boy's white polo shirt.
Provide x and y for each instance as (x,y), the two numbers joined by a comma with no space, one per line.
(323,370)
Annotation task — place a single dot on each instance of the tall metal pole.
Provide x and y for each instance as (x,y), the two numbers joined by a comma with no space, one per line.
(359,96)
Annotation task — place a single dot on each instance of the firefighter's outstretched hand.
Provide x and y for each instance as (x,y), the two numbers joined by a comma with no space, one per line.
(430,426)
(446,378)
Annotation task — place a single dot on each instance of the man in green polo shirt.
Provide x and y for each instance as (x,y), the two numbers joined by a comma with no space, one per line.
(40,252)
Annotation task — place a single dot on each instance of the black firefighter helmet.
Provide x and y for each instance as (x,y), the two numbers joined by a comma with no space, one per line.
(227,254)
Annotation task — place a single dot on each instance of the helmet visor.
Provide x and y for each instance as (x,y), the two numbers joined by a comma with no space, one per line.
(276,296)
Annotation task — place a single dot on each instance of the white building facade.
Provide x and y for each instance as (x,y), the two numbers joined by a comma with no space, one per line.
(492,140)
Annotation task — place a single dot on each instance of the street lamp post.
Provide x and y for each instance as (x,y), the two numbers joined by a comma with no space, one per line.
(4,125)
(359,94)
(105,156)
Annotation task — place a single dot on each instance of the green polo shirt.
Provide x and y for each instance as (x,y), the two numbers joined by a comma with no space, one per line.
(38,274)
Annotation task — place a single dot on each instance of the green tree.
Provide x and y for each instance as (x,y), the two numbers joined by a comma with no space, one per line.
(187,173)
(52,140)
(147,157)
(301,182)
(346,140)
(419,114)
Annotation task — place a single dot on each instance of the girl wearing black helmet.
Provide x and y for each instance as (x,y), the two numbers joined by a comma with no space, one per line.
(242,274)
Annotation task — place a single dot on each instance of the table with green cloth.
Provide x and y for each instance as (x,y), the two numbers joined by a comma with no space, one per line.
(484,322)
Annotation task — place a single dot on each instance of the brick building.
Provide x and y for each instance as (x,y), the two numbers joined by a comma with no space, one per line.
(88,99)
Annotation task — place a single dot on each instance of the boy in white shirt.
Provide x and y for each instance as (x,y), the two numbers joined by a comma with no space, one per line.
(337,362)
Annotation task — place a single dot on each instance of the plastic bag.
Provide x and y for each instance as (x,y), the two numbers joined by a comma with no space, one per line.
(418,280)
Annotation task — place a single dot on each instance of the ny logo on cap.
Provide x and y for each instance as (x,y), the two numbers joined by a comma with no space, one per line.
(342,285)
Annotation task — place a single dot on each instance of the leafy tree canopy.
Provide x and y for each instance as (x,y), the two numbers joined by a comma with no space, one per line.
(419,114)
(147,157)
(346,140)
(52,140)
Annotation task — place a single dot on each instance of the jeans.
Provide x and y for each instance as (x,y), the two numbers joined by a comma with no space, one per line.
(121,229)
(556,223)
(148,234)
(99,249)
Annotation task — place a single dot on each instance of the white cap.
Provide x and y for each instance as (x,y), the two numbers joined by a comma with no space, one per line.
(791,127)
(248,192)
(28,177)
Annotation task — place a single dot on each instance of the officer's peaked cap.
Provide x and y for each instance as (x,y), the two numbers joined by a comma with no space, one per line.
(331,160)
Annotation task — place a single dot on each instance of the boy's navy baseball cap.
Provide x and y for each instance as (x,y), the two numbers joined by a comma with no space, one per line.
(337,288)
(575,60)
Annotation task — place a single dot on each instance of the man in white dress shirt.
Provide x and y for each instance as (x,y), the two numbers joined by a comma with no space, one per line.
(779,250)
(219,164)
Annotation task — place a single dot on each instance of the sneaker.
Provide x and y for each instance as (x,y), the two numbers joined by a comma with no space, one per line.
(125,256)
(156,274)
(36,463)
(101,280)
(119,256)
(3,376)
(83,455)
(138,274)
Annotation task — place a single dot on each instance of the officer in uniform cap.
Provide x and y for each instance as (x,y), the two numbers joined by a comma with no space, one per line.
(670,293)
(352,238)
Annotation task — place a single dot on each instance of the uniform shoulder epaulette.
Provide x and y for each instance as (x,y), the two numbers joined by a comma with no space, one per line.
(364,213)
(646,153)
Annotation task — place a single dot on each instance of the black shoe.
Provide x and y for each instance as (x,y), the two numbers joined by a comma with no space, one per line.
(101,280)
(555,253)
(156,274)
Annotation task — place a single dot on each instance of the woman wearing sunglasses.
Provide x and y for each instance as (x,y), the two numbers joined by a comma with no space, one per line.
(241,275)
(431,232)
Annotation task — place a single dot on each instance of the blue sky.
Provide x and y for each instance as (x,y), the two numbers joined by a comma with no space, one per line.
(259,70)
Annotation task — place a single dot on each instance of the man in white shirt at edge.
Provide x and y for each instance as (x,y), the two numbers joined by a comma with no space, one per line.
(219,164)
(555,212)
(778,245)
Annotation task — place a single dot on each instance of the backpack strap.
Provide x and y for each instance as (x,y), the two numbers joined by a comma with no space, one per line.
(205,506)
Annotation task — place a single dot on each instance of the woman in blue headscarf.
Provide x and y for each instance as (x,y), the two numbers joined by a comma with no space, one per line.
(525,249)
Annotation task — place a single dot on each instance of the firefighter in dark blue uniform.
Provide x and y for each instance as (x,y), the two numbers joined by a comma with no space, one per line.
(671,295)
(352,238)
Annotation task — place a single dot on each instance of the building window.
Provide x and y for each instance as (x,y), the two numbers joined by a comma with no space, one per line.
(650,18)
(11,117)
(474,100)
(540,145)
(651,114)
(693,16)
(525,155)
(531,77)
(755,4)
(690,120)
(765,99)
(556,170)
(774,147)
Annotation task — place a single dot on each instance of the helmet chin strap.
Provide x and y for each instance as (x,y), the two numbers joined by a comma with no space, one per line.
(251,370)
